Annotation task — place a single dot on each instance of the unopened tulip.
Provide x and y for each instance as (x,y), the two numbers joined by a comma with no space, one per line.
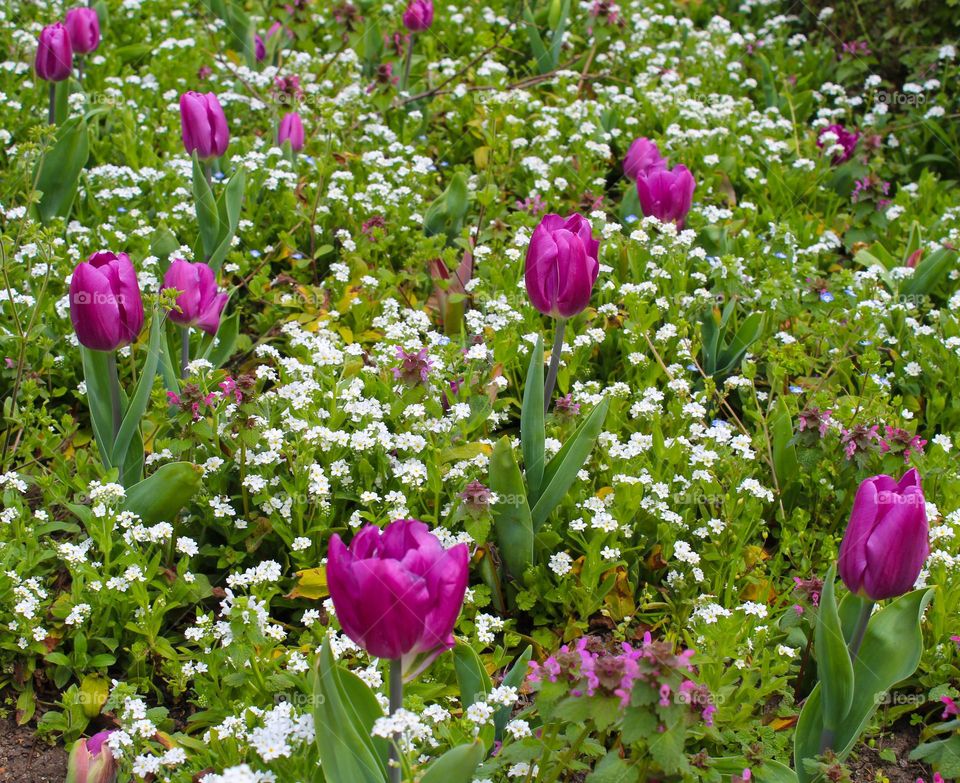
(54,61)
(83,25)
(667,194)
(291,129)
(561,265)
(397,592)
(91,761)
(642,158)
(105,304)
(201,303)
(418,16)
(259,49)
(203,124)
(837,135)
(887,539)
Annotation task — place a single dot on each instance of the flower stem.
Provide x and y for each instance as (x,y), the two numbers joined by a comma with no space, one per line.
(860,631)
(52,116)
(554,363)
(184,351)
(407,62)
(116,405)
(396,702)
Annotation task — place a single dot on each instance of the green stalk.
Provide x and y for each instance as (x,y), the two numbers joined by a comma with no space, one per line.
(396,702)
(407,62)
(116,405)
(554,363)
(52,116)
(184,351)
(860,631)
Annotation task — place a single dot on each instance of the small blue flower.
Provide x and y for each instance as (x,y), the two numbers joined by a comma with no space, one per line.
(796,390)
(631,219)
(780,255)
(826,296)
(298,255)
(121,210)
(255,253)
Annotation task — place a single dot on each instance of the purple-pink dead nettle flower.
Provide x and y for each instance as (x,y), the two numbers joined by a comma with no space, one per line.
(397,592)
(83,25)
(291,129)
(837,135)
(105,304)
(91,761)
(203,124)
(201,303)
(54,60)
(642,158)
(418,16)
(887,539)
(561,265)
(667,194)
(414,368)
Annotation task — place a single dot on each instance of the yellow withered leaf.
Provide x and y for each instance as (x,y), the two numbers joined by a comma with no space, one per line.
(311,584)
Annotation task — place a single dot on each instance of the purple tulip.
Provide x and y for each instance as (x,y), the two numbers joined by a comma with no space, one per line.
(398,592)
(561,265)
(846,139)
(83,25)
(418,16)
(105,304)
(203,124)
(291,129)
(667,194)
(54,60)
(259,49)
(642,158)
(201,303)
(91,761)
(887,539)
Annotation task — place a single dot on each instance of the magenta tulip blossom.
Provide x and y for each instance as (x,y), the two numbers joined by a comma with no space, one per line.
(838,135)
(203,124)
(561,265)
(105,304)
(887,539)
(418,16)
(83,25)
(201,303)
(259,48)
(291,129)
(642,158)
(667,194)
(397,592)
(91,761)
(54,61)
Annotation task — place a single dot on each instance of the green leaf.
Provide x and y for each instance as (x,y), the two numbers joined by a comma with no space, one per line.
(208,218)
(60,168)
(928,274)
(472,678)
(613,769)
(457,765)
(161,496)
(228,208)
(511,512)
(890,653)
(96,375)
(747,335)
(224,342)
(566,463)
(785,461)
(536,41)
(513,678)
(833,659)
(532,433)
(141,396)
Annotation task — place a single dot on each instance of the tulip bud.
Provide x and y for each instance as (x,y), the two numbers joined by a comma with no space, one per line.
(54,61)
(667,194)
(418,16)
(203,124)
(291,129)
(397,592)
(887,539)
(259,49)
(837,135)
(105,304)
(642,158)
(83,25)
(91,761)
(561,265)
(201,303)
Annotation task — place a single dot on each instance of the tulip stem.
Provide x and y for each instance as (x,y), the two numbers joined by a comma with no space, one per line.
(184,351)
(396,703)
(407,62)
(115,404)
(861,630)
(554,363)
(52,116)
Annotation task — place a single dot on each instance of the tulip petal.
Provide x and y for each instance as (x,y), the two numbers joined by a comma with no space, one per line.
(390,605)
(853,550)
(898,548)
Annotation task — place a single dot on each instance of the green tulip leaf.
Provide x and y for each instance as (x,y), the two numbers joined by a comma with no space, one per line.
(513,678)
(833,659)
(890,653)
(511,512)
(208,219)
(228,209)
(457,765)
(566,463)
(60,168)
(161,496)
(96,375)
(532,433)
(472,678)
